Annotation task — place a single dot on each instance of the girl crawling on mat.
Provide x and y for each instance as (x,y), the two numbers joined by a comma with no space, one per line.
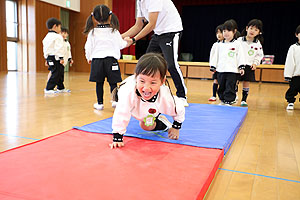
(145,96)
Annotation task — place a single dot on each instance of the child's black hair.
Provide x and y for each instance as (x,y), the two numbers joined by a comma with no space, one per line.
(297,30)
(259,25)
(219,28)
(64,30)
(231,25)
(151,63)
(101,14)
(51,22)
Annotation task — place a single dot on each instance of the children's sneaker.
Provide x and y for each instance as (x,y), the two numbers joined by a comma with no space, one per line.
(184,100)
(290,106)
(114,104)
(244,104)
(49,91)
(166,122)
(221,103)
(98,106)
(64,91)
(212,99)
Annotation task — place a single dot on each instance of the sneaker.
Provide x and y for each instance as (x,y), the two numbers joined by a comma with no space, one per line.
(49,91)
(290,106)
(64,91)
(212,99)
(166,122)
(98,106)
(114,104)
(184,100)
(244,104)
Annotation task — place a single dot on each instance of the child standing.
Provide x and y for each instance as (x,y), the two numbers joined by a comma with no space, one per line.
(251,42)
(292,71)
(67,55)
(144,96)
(53,53)
(102,49)
(220,37)
(228,61)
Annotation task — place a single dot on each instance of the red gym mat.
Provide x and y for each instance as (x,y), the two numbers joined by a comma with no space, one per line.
(80,165)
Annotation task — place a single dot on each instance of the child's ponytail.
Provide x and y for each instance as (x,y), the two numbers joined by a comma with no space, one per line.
(89,24)
(114,21)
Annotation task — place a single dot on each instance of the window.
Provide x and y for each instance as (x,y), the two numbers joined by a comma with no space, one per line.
(12,34)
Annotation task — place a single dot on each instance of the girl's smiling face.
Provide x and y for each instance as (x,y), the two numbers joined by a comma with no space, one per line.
(252,31)
(148,86)
(228,35)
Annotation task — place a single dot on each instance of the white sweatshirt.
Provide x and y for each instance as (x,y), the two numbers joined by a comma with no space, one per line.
(130,104)
(67,52)
(253,51)
(213,52)
(53,45)
(102,43)
(292,62)
(228,56)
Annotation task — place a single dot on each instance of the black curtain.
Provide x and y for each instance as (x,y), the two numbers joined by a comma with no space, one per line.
(280,20)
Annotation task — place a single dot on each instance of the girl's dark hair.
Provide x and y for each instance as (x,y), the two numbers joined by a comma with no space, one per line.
(297,30)
(259,25)
(51,22)
(101,14)
(151,63)
(231,25)
(220,27)
(64,30)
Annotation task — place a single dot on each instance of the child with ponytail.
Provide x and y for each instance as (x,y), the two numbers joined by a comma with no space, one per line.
(102,50)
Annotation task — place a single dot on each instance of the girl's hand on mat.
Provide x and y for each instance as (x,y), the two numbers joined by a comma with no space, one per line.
(173,133)
(116,145)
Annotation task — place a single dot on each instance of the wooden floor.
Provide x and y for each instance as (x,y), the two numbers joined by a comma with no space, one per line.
(262,163)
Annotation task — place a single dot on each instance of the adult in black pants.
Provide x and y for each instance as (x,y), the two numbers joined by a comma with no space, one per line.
(164,19)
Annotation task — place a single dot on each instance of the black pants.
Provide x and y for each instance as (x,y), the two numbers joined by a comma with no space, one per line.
(167,44)
(57,74)
(227,84)
(99,90)
(293,90)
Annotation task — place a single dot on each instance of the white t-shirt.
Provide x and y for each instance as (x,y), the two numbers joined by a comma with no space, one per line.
(67,52)
(168,18)
(102,43)
(252,50)
(228,56)
(292,62)
(53,45)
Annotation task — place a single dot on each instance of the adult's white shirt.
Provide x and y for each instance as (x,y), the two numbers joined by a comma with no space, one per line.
(168,19)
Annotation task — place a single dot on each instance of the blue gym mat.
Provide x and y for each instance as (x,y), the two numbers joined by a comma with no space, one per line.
(208,126)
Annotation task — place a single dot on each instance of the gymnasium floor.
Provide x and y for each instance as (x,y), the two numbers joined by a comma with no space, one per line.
(262,163)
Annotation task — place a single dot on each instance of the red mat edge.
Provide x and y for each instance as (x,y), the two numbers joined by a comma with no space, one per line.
(40,140)
(211,176)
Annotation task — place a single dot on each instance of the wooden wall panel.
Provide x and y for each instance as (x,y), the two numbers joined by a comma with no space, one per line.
(3,41)
(272,75)
(77,39)
(43,12)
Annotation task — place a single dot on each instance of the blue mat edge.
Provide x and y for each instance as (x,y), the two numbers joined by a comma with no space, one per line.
(226,146)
